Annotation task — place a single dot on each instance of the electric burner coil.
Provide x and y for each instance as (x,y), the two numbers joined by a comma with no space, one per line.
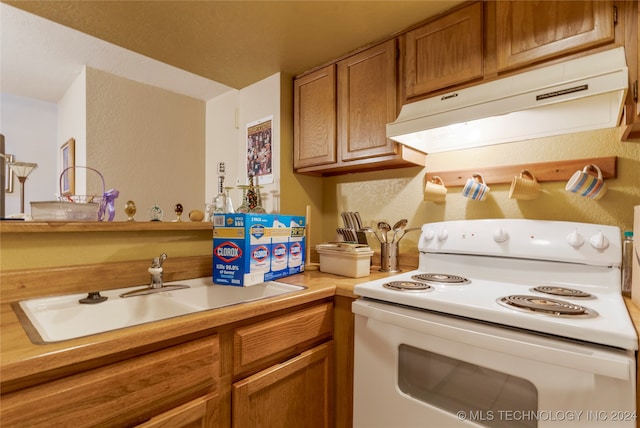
(562,291)
(441,278)
(546,306)
(407,286)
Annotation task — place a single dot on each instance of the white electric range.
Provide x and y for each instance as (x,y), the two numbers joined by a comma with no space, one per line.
(493,303)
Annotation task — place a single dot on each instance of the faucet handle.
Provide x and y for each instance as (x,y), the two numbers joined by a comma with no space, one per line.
(158,261)
(155,270)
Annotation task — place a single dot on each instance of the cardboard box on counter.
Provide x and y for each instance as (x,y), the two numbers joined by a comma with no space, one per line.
(251,248)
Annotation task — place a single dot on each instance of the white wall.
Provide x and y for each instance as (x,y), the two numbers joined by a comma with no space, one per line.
(222,143)
(29,127)
(227,119)
(72,123)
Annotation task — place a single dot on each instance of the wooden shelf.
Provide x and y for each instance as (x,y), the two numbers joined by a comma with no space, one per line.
(15,226)
(543,171)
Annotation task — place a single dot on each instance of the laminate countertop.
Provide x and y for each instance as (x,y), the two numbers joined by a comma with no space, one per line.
(24,363)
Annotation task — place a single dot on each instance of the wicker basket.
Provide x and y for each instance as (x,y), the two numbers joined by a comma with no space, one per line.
(73,207)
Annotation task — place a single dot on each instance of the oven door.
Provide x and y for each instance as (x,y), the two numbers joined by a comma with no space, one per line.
(416,368)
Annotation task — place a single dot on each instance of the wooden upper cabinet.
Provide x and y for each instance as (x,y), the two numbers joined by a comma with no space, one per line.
(341,112)
(444,52)
(532,31)
(367,101)
(630,131)
(314,126)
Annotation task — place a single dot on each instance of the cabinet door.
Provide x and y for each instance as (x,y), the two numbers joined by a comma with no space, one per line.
(631,127)
(314,125)
(530,31)
(296,393)
(444,52)
(367,101)
(199,413)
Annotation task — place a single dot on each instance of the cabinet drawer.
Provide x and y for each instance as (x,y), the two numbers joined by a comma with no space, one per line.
(123,393)
(262,344)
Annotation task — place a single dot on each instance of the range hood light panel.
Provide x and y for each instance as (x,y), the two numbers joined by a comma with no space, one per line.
(578,95)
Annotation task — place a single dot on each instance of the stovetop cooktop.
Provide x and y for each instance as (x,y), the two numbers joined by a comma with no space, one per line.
(474,271)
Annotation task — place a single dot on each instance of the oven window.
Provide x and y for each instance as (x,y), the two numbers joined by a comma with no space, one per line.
(481,395)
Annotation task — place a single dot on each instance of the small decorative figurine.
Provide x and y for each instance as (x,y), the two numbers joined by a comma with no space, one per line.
(196,215)
(155,213)
(178,210)
(130,210)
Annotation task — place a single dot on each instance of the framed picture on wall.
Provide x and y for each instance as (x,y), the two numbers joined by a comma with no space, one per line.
(260,151)
(67,163)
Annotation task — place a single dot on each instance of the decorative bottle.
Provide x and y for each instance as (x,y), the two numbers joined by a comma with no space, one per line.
(220,201)
(244,206)
(254,200)
(627,262)
(227,201)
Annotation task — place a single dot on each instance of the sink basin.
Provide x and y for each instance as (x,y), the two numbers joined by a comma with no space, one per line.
(53,319)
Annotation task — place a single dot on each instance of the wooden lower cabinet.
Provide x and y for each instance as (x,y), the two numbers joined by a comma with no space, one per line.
(344,322)
(261,344)
(271,371)
(126,393)
(295,393)
(199,413)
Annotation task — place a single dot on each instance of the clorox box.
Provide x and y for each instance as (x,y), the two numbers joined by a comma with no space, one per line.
(249,249)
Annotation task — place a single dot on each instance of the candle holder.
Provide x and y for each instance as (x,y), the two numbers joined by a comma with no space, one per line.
(22,171)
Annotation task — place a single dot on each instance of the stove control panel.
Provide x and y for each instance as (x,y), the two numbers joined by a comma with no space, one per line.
(572,242)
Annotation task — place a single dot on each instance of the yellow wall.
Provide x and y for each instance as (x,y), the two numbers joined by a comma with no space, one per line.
(394,194)
(149,143)
(34,250)
(382,195)
(297,190)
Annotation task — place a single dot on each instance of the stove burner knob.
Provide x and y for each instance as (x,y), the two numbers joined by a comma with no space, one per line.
(575,239)
(443,234)
(599,241)
(428,235)
(500,235)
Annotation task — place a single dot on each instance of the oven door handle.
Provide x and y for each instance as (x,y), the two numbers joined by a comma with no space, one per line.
(590,359)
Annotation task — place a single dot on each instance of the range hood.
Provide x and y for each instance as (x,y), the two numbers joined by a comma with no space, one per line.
(577,95)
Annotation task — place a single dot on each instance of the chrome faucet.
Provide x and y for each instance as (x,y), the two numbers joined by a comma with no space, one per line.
(156,271)
(157,285)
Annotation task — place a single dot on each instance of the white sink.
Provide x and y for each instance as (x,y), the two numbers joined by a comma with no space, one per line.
(63,317)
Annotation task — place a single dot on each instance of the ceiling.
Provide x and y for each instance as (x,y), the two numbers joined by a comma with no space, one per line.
(232,43)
